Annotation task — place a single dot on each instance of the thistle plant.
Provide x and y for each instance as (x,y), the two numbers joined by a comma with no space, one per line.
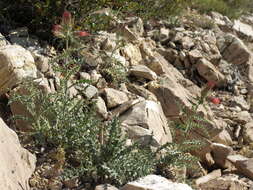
(190,118)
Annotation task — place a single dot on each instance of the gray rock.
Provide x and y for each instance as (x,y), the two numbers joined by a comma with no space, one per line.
(89,91)
(114,97)
(101,107)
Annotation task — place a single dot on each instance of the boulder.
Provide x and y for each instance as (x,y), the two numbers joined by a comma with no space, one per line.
(17,164)
(132,53)
(233,49)
(154,182)
(145,118)
(223,138)
(248,132)
(143,71)
(16,65)
(89,91)
(220,153)
(174,97)
(243,29)
(209,72)
(244,165)
(227,182)
(114,97)
(141,91)
(207,178)
(194,55)
(242,117)
(101,107)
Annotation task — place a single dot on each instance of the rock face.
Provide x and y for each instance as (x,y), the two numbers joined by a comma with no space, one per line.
(16,64)
(145,118)
(154,182)
(17,164)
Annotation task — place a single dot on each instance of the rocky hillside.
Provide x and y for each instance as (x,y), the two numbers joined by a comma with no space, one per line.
(149,76)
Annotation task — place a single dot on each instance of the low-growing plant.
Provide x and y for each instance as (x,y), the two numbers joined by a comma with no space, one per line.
(87,148)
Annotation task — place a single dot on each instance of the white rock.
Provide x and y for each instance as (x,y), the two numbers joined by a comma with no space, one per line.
(17,164)
(154,182)
(16,65)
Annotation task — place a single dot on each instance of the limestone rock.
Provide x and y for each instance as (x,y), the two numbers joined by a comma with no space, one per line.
(173,96)
(233,49)
(145,118)
(243,29)
(16,65)
(132,53)
(194,55)
(243,117)
(223,138)
(105,187)
(88,90)
(227,182)
(17,164)
(243,164)
(210,176)
(3,41)
(141,91)
(240,101)
(114,97)
(154,182)
(208,71)
(143,72)
(135,24)
(101,107)
(220,153)
(248,132)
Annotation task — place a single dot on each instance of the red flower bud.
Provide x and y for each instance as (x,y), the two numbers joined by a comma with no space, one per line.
(66,17)
(211,84)
(215,100)
(82,33)
(57,29)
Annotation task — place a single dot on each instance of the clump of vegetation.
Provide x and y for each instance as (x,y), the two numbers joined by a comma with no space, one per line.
(85,147)
(230,8)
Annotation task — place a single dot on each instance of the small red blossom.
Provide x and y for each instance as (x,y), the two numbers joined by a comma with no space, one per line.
(215,100)
(57,29)
(211,84)
(66,17)
(82,33)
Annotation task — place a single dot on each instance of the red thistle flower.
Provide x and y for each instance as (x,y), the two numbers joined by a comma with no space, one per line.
(66,17)
(57,29)
(211,84)
(215,100)
(82,33)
